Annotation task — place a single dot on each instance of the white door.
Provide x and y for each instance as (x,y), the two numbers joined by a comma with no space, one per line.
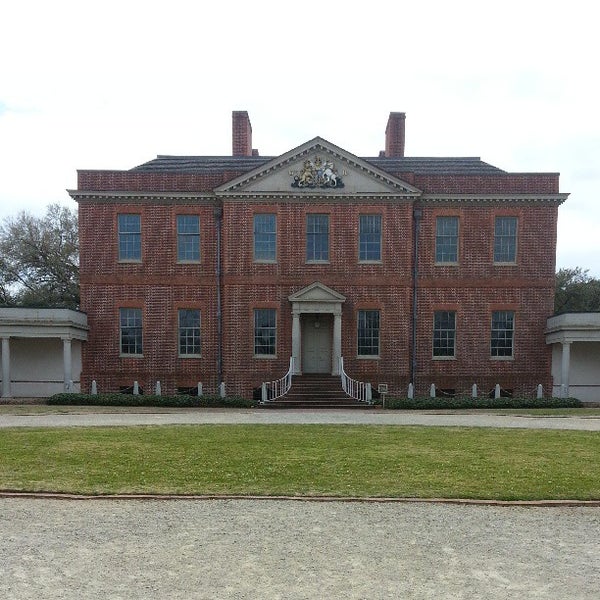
(316,343)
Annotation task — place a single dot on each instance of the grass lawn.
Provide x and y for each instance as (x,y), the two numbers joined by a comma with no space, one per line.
(316,460)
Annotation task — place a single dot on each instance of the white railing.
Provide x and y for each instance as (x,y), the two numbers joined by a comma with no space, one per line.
(271,390)
(359,390)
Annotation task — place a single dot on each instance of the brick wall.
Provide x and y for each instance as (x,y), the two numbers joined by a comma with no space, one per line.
(159,285)
(473,288)
(142,181)
(135,181)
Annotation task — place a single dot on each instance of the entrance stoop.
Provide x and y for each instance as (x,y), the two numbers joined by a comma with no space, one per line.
(316,392)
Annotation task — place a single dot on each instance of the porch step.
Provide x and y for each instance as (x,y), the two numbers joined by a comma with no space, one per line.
(316,392)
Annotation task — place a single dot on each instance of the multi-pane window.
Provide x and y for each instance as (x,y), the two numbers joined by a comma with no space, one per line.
(444,333)
(368,333)
(505,240)
(130,237)
(131,330)
(265,238)
(446,240)
(265,331)
(189,331)
(317,238)
(188,238)
(503,329)
(369,240)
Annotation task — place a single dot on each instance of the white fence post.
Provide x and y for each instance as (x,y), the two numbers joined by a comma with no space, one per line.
(222,389)
(94,387)
(432,391)
(157,389)
(263,391)
(540,392)
(199,389)
(497,391)
(368,393)
(136,388)
(474,391)
(411,391)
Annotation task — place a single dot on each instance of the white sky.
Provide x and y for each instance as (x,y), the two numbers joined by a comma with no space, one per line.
(109,85)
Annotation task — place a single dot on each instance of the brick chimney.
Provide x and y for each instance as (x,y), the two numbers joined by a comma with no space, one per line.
(241,133)
(394,135)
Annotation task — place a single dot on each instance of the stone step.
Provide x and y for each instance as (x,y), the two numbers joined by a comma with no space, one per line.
(316,392)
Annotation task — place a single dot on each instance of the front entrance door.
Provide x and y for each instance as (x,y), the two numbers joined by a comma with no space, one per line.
(316,343)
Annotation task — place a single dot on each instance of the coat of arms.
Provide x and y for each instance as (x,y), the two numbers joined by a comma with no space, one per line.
(318,174)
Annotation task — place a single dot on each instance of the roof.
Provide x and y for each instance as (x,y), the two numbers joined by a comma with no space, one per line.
(242,164)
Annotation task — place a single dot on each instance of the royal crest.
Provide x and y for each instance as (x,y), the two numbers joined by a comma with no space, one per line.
(317,174)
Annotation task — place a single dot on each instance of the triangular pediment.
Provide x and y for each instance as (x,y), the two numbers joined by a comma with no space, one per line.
(317,292)
(318,168)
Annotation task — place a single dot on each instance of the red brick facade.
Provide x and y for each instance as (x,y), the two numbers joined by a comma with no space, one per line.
(227,283)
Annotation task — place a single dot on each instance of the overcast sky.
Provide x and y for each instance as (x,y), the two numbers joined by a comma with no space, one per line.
(109,85)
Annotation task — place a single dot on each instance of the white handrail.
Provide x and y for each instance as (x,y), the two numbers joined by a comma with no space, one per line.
(359,390)
(271,390)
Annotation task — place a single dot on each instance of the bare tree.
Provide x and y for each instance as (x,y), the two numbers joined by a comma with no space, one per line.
(39,259)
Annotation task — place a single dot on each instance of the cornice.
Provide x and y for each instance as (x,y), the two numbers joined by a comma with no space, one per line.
(315,196)
(109,197)
(509,198)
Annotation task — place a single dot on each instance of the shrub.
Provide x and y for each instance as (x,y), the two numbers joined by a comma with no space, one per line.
(428,403)
(180,401)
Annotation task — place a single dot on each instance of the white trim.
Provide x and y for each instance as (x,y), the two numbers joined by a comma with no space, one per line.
(316,298)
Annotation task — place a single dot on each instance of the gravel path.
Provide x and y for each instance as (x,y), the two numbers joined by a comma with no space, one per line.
(290,550)
(233,416)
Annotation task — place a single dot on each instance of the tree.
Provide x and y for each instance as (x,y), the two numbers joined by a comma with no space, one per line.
(576,291)
(39,259)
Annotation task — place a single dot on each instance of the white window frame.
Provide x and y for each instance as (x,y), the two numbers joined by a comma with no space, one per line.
(364,331)
(188,333)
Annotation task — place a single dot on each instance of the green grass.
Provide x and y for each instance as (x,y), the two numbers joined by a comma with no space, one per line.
(319,460)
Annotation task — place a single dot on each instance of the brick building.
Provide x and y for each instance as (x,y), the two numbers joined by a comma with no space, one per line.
(208,269)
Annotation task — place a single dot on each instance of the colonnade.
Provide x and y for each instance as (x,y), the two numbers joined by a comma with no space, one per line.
(6,366)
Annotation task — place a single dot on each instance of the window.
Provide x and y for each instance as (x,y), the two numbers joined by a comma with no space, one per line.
(444,333)
(368,333)
(369,241)
(446,240)
(265,331)
(188,238)
(130,237)
(317,238)
(503,328)
(131,330)
(265,238)
(505,240)
(189,332)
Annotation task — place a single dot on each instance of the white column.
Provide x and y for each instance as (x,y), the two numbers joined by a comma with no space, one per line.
(67,364)
(6,368)
(564,369)
(296,341)
(337,342)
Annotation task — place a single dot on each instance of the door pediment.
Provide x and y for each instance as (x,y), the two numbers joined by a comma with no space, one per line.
(317,292)
(318,168)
